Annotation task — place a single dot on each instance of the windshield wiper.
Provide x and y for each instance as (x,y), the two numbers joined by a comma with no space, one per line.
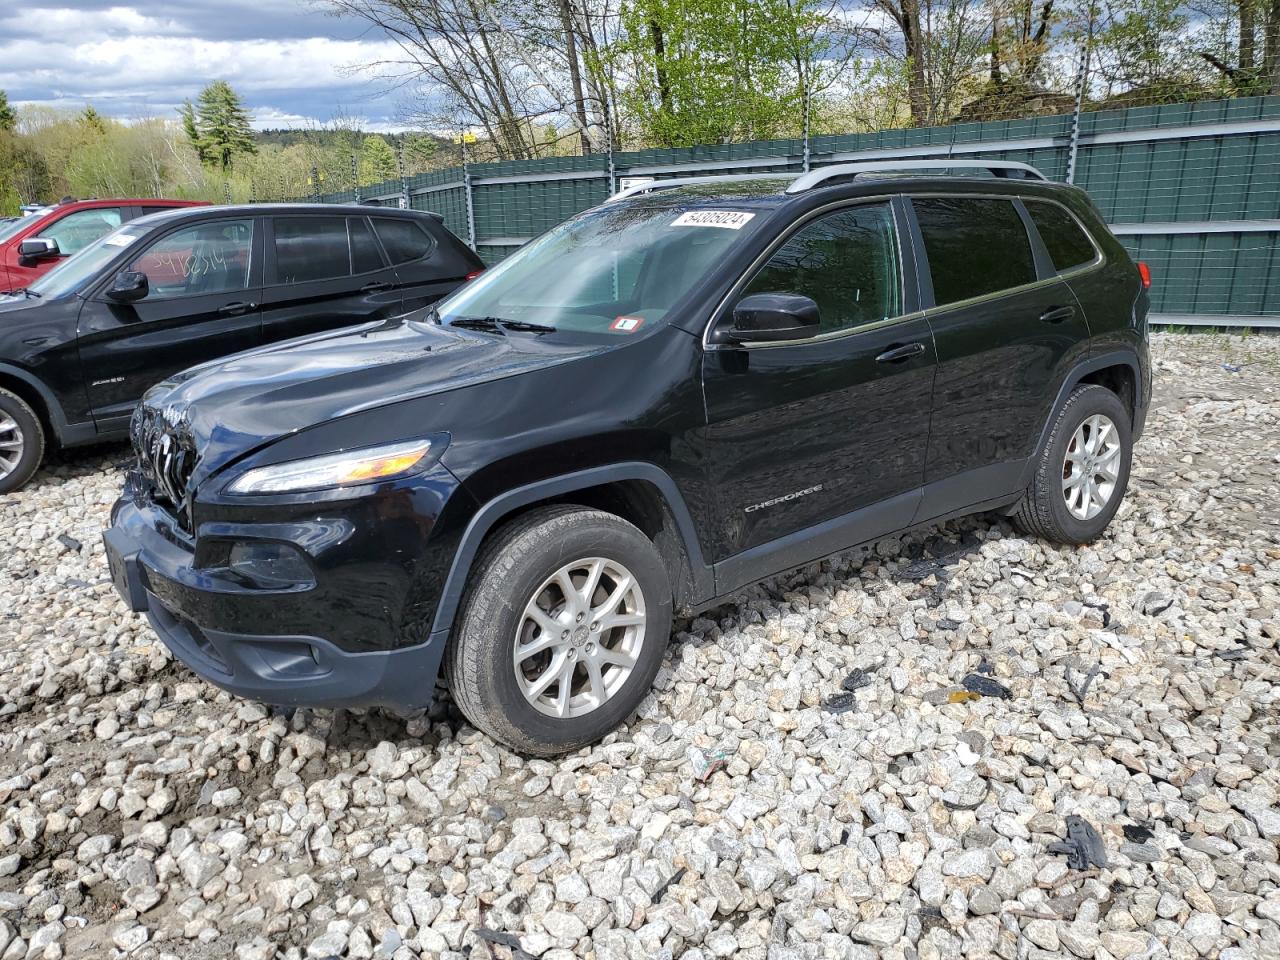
(498,324)
(477,323)
(27,292)
(526,326)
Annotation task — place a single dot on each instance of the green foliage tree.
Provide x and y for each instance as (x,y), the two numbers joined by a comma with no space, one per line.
(222,125)
(8,119)
(191,130)
(377,161)
(92,121)
(716,71)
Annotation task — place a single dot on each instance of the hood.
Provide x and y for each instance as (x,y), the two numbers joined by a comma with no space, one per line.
(10,303)
(230,407)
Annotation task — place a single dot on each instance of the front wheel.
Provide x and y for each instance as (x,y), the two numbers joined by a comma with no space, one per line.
(562,630)
(1082,470)
(21,442)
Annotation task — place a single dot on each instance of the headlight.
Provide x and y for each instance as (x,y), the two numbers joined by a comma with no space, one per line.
(335,469)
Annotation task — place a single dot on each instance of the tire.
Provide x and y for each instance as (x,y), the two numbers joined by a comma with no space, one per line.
(513,572)
(18,425)
(1045,510)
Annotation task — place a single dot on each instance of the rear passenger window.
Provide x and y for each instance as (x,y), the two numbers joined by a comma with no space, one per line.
(311,248)
(975,247)
(1063,237)
(365,256)
(404,240)
(846,262)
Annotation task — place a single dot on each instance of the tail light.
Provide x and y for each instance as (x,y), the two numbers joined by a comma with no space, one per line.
(475,273)
(1145,273)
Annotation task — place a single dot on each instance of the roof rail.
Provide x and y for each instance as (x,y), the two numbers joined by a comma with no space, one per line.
(999,168)
(1009,169)
(653,185)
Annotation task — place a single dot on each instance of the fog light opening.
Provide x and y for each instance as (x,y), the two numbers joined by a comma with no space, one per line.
(269,565)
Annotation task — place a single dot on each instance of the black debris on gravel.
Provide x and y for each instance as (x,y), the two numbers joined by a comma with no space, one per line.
(1081,690)
(1136,833)
(986,687)
(662,890)
(840,703)
(496,938)
(856,680)
(1083,845)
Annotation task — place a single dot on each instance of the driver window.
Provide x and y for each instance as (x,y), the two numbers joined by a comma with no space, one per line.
(846,262)
(201,259)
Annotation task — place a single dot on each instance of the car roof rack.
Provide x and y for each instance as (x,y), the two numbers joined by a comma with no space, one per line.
(652,185)
(1008,169)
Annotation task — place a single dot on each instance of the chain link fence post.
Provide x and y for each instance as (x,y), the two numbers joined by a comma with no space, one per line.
(806,126)
(1082,82)
(466,186)
(355,177)
(608,146)
(404,180)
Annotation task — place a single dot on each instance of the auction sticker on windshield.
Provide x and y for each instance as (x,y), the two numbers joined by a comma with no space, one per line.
(120,240)
(725,219)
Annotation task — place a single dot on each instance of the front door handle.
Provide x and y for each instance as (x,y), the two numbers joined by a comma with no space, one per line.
(237,308)
(1057,314)
(898,354)
(376,287)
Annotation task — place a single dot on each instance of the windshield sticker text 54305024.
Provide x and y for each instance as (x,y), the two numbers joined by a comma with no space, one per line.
(725,219)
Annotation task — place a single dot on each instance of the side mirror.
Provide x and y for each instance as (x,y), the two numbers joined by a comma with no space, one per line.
(129,287)
(774,316)
(38,248)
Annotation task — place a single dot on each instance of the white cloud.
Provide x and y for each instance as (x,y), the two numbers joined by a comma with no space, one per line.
(131,63)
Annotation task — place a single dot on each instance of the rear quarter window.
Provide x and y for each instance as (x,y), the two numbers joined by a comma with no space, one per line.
(1068,245)
(975,246)
(404,240)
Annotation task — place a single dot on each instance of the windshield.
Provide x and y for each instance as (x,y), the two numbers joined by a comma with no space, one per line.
(613,270)
(79,269)
(9,229)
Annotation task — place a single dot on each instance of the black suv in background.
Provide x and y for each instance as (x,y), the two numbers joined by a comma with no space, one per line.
(171,290)
(688,389)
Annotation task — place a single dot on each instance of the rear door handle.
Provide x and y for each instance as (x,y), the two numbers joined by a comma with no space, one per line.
(1057,314)
(376,287)
(898,354)
(237,308)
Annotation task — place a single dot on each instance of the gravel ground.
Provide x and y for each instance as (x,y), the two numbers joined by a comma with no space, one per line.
(746,812)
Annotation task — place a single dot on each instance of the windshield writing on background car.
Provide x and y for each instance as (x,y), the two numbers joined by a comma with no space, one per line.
(617,270)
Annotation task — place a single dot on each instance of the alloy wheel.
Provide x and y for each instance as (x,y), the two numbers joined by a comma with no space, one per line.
(1091,468)
(579,638)
(12,445)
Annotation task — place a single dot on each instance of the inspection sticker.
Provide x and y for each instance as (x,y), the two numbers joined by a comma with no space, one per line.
(725,219)
(626,324)
(120,240)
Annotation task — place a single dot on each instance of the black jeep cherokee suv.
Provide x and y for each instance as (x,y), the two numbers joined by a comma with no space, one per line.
(675,394)
(169,290)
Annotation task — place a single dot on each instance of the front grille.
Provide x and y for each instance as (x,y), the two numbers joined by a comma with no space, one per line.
(166,452)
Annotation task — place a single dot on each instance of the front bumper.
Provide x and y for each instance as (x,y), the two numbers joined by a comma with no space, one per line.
(316,644)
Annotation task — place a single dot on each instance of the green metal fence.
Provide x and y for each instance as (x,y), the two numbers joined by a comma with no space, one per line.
(1193,189)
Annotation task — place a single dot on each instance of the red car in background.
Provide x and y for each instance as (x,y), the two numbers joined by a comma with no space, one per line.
(34,245)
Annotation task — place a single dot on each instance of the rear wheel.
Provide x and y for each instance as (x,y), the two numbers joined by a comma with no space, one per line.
(562,630)
(1083,469)
(21,441)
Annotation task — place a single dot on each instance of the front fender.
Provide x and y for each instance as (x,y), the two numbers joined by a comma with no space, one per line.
(504,504)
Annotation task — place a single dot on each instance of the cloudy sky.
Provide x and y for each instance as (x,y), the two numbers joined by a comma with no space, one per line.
(289,62)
